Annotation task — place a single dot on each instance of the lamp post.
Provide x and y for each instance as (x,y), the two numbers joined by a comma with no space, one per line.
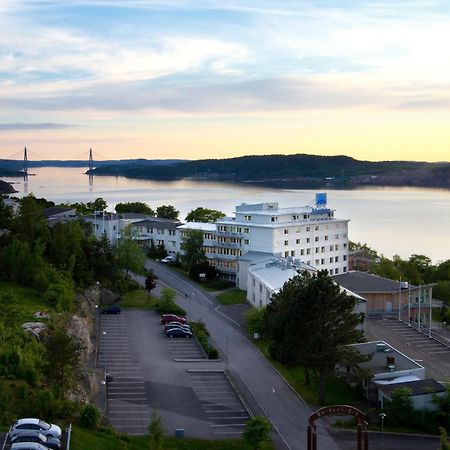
(382,416)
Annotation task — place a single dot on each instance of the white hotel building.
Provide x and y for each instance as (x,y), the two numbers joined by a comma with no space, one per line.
(310,234)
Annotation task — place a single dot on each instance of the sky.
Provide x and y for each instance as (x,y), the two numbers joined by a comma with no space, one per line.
(196,79)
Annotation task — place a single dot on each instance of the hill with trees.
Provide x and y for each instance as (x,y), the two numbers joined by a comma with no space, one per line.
(6,188)
(300,170)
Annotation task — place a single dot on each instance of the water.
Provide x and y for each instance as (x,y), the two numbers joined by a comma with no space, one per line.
(399,221)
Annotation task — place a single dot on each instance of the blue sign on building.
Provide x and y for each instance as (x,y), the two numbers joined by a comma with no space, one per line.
(321,199)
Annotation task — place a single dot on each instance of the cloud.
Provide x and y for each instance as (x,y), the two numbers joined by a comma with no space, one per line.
(33,126)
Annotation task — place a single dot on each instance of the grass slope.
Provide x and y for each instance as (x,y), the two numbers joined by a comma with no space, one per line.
(233,297)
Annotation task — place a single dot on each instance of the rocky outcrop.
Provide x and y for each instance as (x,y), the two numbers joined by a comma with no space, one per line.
(80,328)
(34,328)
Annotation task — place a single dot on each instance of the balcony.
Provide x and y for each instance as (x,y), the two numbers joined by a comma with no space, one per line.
(228,244)
(227,257)
(230,233)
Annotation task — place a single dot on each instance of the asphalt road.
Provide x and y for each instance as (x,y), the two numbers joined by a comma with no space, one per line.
(288,413)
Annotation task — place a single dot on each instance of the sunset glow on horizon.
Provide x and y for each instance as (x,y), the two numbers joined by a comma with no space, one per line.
(162,79)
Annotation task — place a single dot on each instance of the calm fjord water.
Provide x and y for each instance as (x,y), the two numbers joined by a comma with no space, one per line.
(392,220)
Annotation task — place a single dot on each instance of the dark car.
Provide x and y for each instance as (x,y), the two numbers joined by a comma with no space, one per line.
(111,310)
(166,318)
(36,436)
(178,333)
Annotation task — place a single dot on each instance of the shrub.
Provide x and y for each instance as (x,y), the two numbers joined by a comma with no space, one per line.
(213,353)
(165,307)
(90,417)
(257,431)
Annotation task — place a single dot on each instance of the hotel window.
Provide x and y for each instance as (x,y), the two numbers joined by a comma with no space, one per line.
(297,241)
(317,250)
(322,261)
(336,259)
(308,251)
(286,254)
(344,269)
(247,218)
(246,241)
(345,257)
(336,271)
(246,230)
(316,228)
(336,247)
(308,228)
(331,260)
(316,239)
(292,252)
(305,216)
(326,238)
(274,219)
(172,233)
(286,242)
(331,248)
(308,240)
(297,230)
(286,231)
(317,262)
(302,252)
(345,245)
(322,249)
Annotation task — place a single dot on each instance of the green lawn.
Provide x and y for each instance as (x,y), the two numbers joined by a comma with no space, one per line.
(234,297)
(336,391)
(137,299)
(90,440)
(27,300)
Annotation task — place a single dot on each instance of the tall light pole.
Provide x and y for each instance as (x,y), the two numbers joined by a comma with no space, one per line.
(382,416)
(420,299)
(430,313)
(399,297)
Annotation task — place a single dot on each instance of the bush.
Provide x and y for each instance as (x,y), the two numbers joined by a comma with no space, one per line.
(254,319)
(122,285)
(90,417)
(165,307)
(213,353)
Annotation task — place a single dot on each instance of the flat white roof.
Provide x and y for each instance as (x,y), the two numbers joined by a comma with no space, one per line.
(198,226)
(272,275)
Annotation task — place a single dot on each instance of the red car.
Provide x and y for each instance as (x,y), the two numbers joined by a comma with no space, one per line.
(166,318)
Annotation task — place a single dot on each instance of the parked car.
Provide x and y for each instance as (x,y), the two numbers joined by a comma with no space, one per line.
(35,436)
(112,309)
(178,332)
(166,318)
(168,259)
(176,325)
(31,424)
(28,446)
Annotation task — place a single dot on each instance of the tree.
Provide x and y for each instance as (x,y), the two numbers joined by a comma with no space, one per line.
(129,255)
(134,207)
(99,204)
(192,249)
(399,410)
(310,323)
(204,215)
(156,432)
(443,444)
(5,214)
(150,281)
(167,212)
(254,319)
(257,430)
(63,358)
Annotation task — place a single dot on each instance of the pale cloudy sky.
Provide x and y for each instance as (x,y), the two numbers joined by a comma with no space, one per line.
(219,78)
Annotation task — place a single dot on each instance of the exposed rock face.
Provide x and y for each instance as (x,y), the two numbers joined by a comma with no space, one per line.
(34,328)
(80,329)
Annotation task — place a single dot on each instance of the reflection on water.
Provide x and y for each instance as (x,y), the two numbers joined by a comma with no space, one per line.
(392,220)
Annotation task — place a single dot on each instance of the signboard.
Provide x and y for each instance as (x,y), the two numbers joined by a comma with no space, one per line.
(202,275)
(321,199)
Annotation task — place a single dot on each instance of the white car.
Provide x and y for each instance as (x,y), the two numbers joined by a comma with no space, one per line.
(47,429)
(168,259)
(28,446)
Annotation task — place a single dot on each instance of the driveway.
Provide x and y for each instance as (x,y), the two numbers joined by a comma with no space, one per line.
(288,413)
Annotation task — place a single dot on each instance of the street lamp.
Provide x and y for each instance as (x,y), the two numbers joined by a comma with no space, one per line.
(382,416)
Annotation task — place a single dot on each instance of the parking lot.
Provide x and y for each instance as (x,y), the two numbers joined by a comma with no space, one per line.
(430,353)
(224,410)
(128,406)
(148,375)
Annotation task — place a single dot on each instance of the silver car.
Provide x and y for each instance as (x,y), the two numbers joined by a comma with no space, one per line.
(31,424)
(35,436)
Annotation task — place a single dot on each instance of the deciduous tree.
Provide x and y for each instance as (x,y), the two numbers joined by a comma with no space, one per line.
(129,254)
(134,207)
(204,215)
(167,212)
(257,430)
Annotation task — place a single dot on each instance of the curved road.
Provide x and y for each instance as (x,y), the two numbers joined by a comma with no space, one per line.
(287,412)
